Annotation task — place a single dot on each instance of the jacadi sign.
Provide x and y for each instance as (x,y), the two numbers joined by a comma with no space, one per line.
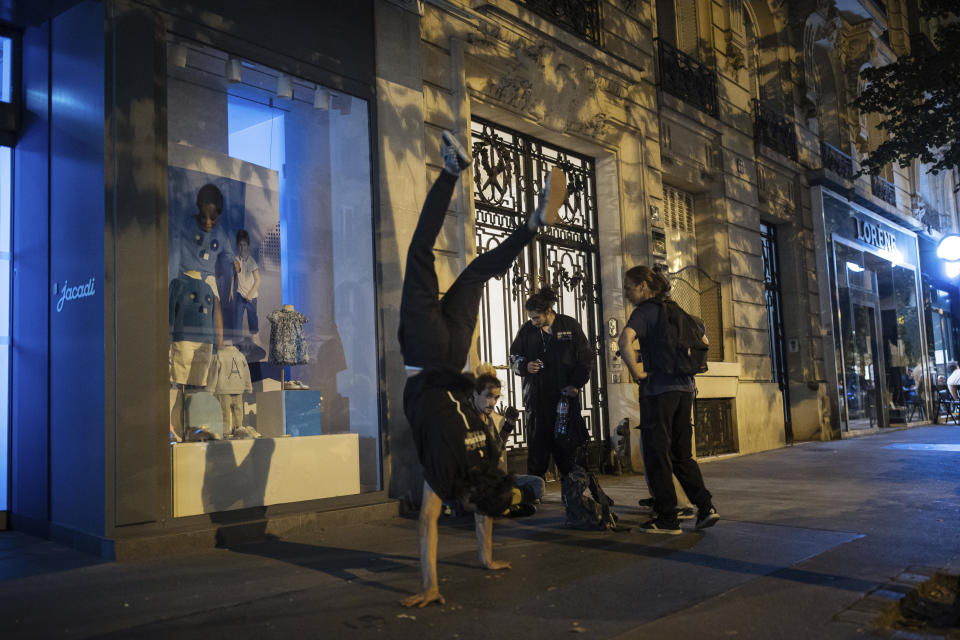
(77,291)
(875,235)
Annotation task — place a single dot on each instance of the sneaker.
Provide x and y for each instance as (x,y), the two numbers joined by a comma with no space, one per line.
(300,384)
(243,433)
(706,518)
(455,157)
(646,503)
(661,526)
(552,198)
(686,513)
(201,434)
(522,510)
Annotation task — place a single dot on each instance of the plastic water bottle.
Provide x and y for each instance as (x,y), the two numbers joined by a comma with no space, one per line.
(563,414)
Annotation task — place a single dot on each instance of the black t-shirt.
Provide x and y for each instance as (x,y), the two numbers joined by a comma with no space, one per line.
(643,321)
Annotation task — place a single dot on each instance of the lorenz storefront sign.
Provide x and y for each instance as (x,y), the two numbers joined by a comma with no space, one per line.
(874,235)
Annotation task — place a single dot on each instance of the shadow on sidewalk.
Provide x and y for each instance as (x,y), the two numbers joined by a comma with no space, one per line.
(349,565)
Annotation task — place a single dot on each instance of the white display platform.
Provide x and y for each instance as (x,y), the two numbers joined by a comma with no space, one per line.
(236,474)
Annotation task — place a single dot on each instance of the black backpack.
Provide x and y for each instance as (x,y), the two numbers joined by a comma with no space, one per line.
(675,347)
(588,507)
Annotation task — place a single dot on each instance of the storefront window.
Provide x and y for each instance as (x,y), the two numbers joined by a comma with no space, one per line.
(883,376)
(6,68)
(941,328)
(273,345)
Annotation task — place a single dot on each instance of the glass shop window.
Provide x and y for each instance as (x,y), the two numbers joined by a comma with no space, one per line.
(273,345)
(6,182)
(6,68)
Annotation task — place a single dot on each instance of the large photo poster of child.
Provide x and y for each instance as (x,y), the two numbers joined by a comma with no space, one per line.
(225,224)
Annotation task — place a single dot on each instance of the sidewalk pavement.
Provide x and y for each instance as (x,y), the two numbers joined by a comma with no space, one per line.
(806,533)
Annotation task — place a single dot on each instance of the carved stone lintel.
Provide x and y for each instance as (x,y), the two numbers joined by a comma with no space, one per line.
(595,126)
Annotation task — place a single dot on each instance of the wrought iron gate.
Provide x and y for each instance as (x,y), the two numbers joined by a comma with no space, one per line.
(509,169)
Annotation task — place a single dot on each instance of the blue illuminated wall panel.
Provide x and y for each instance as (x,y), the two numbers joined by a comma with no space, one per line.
(77,267)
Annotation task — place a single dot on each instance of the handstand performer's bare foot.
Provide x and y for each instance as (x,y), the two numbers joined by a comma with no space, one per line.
(551,199)
(455,157)
(422,599)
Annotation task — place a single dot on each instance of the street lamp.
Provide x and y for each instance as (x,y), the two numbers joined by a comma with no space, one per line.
(949,251)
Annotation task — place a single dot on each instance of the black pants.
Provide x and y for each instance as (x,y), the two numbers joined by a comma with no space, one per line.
(436,332)
(543,443)
(667,451)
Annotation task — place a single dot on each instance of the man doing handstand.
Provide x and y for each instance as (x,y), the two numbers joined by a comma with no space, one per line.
(458,453)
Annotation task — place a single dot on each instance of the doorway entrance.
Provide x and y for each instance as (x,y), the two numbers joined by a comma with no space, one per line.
(509,169)
(881,377)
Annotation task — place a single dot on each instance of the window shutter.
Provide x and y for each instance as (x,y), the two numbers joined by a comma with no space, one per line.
(687,32)
(679,205)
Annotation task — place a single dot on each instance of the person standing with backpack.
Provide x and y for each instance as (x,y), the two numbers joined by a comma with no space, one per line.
(673,348)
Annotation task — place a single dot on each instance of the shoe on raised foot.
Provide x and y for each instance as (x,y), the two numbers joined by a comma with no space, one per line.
(551,199)
(661,526)
(455,157)
(706,518)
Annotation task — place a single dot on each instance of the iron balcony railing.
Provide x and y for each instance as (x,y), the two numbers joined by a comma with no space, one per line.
(774,130)
(686,78)
(883,189)
(582,17)
(836,161)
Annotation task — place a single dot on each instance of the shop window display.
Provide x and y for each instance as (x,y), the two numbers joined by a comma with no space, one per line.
(273,346)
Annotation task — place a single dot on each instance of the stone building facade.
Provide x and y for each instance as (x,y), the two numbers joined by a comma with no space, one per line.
(714,129)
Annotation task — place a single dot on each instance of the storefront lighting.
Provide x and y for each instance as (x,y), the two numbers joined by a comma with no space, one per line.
(952,269)
(284,87)
(853,266)
(178,55)
(233,72)
(949,248)
(321,98)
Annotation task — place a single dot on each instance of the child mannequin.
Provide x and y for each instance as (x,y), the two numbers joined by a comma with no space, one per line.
(246,282)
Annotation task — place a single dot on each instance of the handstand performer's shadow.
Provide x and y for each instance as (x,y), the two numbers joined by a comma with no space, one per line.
(349,565)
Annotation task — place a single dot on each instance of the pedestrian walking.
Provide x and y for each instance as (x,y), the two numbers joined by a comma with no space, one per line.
(666,396)
(459,458)
(551,353)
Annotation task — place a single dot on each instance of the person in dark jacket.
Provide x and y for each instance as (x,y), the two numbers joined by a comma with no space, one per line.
(458,451)
(552,355)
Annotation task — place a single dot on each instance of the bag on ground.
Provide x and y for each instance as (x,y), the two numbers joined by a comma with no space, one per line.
(588,507)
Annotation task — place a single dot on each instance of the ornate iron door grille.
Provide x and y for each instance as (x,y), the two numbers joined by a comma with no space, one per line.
(508,171)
